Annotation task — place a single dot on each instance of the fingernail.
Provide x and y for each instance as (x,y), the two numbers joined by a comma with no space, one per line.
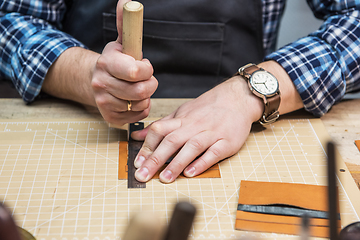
(139,161)
(190,172)
(166,176)
(142,174)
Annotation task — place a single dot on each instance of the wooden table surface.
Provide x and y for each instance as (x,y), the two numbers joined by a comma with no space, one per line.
(342,121)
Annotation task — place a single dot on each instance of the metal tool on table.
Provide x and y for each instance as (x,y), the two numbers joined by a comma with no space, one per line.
(133,148)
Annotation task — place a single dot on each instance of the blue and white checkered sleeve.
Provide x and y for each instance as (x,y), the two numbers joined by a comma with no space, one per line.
(28,47)
(326,64)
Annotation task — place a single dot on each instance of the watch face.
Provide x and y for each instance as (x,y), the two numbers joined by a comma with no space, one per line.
(264,83)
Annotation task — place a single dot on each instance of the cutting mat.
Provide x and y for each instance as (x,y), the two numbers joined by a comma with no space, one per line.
(60,179)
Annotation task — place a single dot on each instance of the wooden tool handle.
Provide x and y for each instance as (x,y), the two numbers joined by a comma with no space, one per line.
(144,226)
(132,29)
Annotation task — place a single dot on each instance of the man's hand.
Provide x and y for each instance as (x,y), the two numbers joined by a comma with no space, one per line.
(119,78)
(108,81)
(211,127)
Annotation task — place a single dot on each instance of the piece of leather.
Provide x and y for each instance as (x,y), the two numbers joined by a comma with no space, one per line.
(213,172)
(304,196)
(357,143)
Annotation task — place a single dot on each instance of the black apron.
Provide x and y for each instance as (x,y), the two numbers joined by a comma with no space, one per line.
(193,45)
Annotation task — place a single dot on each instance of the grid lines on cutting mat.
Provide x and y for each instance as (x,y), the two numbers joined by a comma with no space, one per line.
(60,179)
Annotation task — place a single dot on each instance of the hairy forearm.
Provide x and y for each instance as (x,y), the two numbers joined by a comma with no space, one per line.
(70,76)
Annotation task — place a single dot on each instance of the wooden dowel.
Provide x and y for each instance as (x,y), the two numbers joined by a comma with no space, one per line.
(132,29)
(144,226)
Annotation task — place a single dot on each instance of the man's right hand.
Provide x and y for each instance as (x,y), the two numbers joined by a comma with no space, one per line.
(108,81)
(119,78)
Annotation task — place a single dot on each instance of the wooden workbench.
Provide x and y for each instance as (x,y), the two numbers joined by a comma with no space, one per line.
(342,122)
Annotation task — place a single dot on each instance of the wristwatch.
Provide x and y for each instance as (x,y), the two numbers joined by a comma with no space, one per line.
(265,86)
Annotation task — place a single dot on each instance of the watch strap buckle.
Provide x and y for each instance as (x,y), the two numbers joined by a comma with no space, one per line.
(265,120)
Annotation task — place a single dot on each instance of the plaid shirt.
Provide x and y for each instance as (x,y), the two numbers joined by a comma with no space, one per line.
(323,65)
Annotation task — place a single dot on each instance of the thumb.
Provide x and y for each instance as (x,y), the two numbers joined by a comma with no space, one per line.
(140,135)
(119,18)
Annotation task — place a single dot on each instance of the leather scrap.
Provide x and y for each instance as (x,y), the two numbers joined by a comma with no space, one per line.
(357,143)
(213,172)
(266,195)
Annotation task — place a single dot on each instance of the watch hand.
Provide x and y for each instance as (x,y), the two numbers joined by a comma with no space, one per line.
(259,83)
(266,86)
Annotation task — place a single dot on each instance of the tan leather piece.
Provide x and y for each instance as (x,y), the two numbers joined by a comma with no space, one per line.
(357,143)
(291,229)
(213,172)
(312,197)
(270,218)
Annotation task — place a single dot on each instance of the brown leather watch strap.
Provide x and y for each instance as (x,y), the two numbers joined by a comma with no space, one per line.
(271,107)
(271,103)
(251,69)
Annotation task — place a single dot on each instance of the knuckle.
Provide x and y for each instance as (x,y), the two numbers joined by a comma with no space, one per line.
(147,148)
(195,144)
(134,72)
(154,160)
(216,152)
(143,114)
(153,84)
(146,104)
(141,91)
(177,166)
(156,127)
(172,139)
(201,163)
(101,62)
(101,102)
(96,84)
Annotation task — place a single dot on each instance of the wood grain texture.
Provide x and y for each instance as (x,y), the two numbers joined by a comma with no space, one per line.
(133,29)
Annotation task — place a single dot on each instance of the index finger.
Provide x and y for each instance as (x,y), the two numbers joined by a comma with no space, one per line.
(155,150)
